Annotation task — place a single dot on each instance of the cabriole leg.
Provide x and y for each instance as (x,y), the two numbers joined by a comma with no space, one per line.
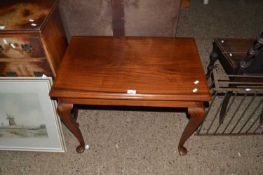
(64,111)
(197,115)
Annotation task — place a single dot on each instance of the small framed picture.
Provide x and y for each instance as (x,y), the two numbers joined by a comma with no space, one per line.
(28,117)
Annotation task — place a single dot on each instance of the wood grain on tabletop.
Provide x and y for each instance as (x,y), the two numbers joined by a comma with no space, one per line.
(157,68)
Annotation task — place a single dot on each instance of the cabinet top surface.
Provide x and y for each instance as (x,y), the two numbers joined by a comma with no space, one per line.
(24,15)
(131,67)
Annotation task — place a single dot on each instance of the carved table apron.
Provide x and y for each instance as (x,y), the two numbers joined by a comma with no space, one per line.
(131,71)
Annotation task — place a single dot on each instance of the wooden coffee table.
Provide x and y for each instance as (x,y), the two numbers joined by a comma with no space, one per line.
(131,71)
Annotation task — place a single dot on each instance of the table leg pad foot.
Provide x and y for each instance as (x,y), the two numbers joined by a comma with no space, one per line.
(80,149)
(182,150)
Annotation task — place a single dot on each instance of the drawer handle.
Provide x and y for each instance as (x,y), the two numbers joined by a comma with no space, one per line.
(38,74)
(1,49)
(27,47)
(11,74)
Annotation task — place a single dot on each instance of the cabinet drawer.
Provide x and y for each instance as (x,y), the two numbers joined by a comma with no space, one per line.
(22,56)
(24,67)
(20,48)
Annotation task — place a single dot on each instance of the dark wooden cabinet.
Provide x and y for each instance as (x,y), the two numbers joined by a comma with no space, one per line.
(32,38)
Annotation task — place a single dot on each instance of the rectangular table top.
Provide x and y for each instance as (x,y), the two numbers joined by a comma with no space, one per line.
(147,68)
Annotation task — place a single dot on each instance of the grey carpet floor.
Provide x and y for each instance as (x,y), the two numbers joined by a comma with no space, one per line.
(145,142)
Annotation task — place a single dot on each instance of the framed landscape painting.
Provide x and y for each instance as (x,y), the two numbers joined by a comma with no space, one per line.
(28,118)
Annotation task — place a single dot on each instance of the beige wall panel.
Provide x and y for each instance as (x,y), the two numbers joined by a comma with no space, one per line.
(86,17)
(151,17)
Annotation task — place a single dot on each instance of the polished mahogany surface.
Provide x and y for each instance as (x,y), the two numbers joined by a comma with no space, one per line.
(131,71)
(108,68)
